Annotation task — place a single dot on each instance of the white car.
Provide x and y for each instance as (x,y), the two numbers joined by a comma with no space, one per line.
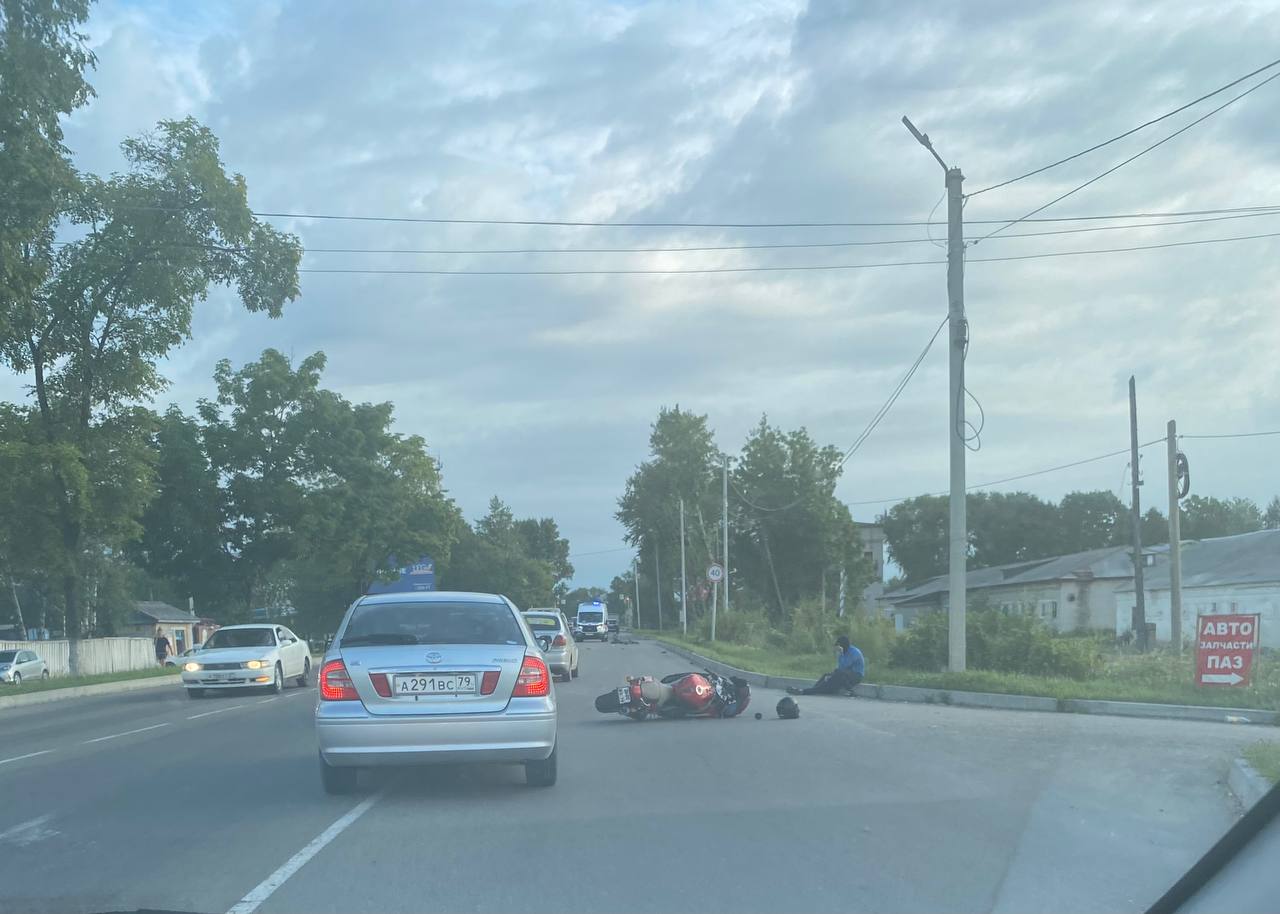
(248,657)
(182,658)
(18,665)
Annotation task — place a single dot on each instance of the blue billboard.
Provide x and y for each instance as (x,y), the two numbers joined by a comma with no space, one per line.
(421,575)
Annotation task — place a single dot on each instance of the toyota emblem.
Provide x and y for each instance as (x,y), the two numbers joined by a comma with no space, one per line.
(434,656)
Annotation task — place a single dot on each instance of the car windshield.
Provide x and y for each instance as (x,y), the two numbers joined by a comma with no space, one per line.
(8,656)
(551,623)
(590,616)
(431,622)
(241,637)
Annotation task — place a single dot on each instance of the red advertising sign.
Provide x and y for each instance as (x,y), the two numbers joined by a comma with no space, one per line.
(1225,646)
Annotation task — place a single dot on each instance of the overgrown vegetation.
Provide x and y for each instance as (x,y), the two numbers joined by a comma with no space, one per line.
(67,682)
(1265,758)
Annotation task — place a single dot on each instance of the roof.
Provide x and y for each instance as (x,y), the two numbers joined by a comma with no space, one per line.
(1248,558)
(430,596)
(162,612)
(247,625)
(1108,562)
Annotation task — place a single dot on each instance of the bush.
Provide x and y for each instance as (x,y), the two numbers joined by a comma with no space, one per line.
(1009,644)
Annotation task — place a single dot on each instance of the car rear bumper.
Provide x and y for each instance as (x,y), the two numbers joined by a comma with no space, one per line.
(351,736)
(557,661)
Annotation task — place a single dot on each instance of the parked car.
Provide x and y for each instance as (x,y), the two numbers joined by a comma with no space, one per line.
(16,666)
(434,677)
(181,659)
(247,657)
(551,630)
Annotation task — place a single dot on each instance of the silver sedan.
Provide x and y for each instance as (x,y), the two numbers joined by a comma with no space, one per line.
(551,629)
(434,677)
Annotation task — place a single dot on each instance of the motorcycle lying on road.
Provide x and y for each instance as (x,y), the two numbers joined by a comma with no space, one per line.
(678,695)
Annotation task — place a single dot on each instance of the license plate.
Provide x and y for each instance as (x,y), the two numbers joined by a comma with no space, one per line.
(624,695)
(435,684)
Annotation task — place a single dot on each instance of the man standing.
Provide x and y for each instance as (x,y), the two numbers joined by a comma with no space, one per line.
(163,647)
(851,666)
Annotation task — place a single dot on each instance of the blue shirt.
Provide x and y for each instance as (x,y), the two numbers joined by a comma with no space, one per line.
(851,659)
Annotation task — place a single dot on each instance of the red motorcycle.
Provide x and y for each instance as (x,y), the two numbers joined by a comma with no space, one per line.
(677,695)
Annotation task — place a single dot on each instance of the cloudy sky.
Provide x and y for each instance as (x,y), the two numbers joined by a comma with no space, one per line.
(542,388)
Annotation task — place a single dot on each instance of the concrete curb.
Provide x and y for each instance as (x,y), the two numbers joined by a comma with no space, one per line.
(1000,701)
(1246,783)
(102,688)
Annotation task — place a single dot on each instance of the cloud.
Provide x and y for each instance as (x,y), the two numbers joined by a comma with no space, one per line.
(541,388)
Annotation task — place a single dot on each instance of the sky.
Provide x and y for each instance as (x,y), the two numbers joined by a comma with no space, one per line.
(542,388)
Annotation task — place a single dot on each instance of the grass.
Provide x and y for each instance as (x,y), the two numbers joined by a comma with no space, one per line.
(1265,757)
(67,682)
(1159,678)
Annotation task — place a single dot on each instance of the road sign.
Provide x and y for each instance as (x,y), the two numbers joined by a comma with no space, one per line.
(1225,647)
(715,573)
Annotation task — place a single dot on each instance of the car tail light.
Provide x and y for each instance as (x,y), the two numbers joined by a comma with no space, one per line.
(559,642)
(380,684)
(336,684)
(534,680)
(489,682)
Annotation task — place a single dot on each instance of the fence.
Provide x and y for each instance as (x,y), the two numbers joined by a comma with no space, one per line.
(94,655)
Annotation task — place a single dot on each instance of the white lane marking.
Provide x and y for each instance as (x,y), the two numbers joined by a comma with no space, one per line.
(29,832)
(125,733)
(18,758)
(215,711)
(264,890)
(265,700)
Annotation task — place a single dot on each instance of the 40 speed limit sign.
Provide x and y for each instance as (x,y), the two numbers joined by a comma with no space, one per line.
(1225,647)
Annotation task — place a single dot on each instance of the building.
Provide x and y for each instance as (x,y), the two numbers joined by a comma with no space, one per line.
(1228,574)
(872,536)
(1073,592)
(184,629)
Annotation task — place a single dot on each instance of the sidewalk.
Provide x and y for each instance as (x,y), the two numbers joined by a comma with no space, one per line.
(45,696)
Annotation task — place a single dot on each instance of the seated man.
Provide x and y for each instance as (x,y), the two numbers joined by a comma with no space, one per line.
(851,666)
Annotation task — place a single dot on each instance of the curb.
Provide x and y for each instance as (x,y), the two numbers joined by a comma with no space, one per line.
(1246,783)
(103,688)
(999,700)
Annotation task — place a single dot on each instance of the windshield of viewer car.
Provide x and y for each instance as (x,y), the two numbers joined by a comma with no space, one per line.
(432,623)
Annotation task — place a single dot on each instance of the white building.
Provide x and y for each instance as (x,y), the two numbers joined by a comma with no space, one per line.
(1229,574)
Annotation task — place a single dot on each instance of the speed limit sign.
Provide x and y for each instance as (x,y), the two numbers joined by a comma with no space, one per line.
(715,573)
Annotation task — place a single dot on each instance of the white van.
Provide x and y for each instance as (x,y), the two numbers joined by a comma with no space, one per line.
(591,621)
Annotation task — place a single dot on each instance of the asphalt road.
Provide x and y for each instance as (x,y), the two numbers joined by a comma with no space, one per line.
(149,800)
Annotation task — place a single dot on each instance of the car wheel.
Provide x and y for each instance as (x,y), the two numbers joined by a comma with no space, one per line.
(195,693)
(566,675)
(44,674)
(305,679)
(17,679)
(574,672)
(543,773)
(338,780)
(277,686)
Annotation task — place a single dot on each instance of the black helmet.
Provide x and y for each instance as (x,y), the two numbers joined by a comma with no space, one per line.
(788,709)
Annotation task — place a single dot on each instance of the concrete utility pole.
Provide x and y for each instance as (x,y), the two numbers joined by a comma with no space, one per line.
(684,584)
(1175,543)
(1139,620)
(958,537)
(724,507)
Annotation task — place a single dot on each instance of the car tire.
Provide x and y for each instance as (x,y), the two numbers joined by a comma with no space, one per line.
(573,674)
(195,693)
(305,679)
(566,675)
(44,674)
(542,773)
(338,780)
(17,679)
(277,686)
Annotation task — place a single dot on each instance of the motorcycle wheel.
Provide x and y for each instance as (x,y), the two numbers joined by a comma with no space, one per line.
(608,703)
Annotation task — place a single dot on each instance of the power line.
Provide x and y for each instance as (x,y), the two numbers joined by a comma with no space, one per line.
(1238,435)
(1131,158)
(576,555)
(1128,133)
(801,268)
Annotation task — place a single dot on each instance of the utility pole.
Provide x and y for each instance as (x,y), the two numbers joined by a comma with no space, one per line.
(657,581)
(1139,620)
(684,584)
(958,538)
(724,507)
(635,574)
(1175,543)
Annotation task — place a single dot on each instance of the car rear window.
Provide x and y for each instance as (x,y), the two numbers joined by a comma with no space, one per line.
(548,622)
(434,622)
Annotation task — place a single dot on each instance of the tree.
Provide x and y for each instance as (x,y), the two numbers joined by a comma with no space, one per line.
(492,558)
(915,531)
(1010,527)
(112,304)
(1090,520)
(1206,517)
(1271,520)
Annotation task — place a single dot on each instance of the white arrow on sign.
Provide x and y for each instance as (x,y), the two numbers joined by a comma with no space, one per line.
(1227,678)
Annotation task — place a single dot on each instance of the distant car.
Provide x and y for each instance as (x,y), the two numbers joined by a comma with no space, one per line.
(551,629)
(590,621)
(180,659)
(613,625)
(15,666)
(434,677)
(247,657)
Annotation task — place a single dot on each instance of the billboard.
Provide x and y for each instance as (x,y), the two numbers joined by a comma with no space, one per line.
(421,575)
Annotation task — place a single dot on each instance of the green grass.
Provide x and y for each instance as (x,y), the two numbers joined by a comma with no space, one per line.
(1159,678)
(67,682)
(1265,757)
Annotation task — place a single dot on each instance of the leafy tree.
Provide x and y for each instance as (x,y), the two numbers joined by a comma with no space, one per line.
(111,305)
(1205,517)
(492,558)
(1090,520)
(915,532)
(1271,520)
(1012,527)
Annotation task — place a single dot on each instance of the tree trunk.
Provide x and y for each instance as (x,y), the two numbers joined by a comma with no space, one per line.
(71,619)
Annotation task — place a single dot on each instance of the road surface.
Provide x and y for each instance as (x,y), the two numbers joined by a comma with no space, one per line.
(151,800)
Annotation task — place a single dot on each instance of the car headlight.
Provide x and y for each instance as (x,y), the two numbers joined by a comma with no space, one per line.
(191,667)
(257,664)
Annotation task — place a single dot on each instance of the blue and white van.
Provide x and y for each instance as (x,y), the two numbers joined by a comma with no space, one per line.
(591,621)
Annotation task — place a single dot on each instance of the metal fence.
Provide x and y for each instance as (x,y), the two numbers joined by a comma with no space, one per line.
(94,655)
